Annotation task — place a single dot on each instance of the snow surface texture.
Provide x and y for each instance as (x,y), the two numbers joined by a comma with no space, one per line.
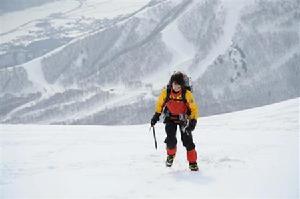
(248,154)
(68,67)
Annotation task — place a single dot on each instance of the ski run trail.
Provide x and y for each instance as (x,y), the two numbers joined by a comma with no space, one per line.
(247,154)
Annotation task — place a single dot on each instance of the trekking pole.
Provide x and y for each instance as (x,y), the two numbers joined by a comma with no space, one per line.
(155,142)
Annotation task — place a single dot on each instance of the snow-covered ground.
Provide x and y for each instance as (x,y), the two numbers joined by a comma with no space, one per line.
(252,153)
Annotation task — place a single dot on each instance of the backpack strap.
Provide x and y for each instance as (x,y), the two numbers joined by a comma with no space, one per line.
(185,101)
(183,93)
(168,93)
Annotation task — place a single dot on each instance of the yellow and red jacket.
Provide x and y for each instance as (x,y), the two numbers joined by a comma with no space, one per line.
(176,105)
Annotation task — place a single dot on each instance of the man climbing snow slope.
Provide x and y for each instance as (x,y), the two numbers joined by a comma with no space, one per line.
(180,109)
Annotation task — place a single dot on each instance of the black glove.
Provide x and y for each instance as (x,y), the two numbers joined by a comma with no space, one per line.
(192,125)
(155,118)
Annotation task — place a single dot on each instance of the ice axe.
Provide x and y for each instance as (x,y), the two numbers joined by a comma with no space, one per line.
(155,142)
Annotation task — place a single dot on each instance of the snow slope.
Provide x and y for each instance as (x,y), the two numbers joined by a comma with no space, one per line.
(252,153)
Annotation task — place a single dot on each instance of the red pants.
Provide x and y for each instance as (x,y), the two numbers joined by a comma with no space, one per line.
(190,155)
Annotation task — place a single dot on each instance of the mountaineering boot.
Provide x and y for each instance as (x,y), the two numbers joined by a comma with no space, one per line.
(192,159)
(169,161)
(193,166)
(171,155)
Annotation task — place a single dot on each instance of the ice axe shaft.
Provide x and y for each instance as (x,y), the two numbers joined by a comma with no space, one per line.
(154,136)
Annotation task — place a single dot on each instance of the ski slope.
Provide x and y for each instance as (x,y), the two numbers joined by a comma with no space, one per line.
(248,154)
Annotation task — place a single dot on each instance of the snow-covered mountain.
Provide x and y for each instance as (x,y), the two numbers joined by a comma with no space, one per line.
(100,70)
(248,154)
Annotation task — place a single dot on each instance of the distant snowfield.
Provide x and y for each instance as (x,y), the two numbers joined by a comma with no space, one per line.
(18,23)
(252,153)
(107,9)
(12,20)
